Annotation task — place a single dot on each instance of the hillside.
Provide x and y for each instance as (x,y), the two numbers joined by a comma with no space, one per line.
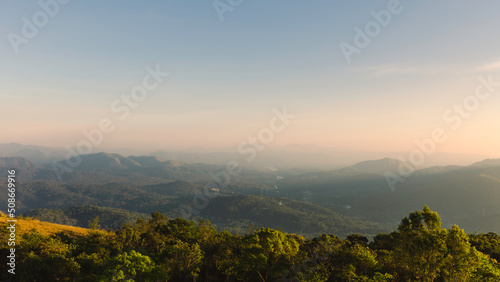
(337,189)
(109,218)
(36,154)
(241,212)
(115,203)
(162,249)
(101,168)
(45,228)
(467,196)
(464,195)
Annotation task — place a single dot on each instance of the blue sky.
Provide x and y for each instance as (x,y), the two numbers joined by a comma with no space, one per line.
(227,76)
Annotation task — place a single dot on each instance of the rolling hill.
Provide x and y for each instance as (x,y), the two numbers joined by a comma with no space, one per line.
(464,195)
(44,228)
(109,218)
(282,213)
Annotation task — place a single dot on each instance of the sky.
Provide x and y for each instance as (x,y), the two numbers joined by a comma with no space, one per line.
(66,65)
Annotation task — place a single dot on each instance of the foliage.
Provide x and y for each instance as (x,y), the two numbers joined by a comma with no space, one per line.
(163,249)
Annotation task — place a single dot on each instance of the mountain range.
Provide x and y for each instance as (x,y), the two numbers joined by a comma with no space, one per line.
(356,198)
(286,157)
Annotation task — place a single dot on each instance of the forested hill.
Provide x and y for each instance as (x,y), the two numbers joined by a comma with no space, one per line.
(91,191)
(463,195)
(236,214)
(283,213)
(82,216)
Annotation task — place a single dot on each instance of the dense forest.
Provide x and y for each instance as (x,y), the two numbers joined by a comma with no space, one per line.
(162,249)
(235,214)
(342,225)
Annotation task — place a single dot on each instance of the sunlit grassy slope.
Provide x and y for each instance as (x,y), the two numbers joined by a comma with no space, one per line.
(45,228)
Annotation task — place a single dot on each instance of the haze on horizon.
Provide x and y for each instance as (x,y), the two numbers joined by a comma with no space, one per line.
(227,77)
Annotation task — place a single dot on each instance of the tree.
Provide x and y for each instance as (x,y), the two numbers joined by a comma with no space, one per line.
(220,253)
(94,224)
(488,269)
(182,260)
(487,243)
(266,255)
(133,266)
(353,260)
(462,258)
(44,258)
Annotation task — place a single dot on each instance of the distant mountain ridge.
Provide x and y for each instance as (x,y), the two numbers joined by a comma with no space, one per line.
(108,167)
(380,166)
(106,162)
(487,163)
(287,157)
(148,160)
(14,162)
(37,154)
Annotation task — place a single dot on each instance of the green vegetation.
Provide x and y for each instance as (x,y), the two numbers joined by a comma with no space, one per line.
(162,249)
(109,218)
(239,213)
(236,214)
(339,202)
(467,196)
(24,225)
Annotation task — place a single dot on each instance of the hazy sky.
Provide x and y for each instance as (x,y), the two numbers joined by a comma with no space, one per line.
(227,76)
